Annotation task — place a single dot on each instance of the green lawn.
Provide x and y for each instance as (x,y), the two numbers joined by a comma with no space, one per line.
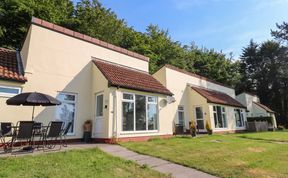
(269,136)
(81,163)
(223,155)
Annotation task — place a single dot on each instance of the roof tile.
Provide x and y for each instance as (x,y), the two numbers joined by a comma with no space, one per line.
(120,76)
(217,97)
(264,107)
(9,69)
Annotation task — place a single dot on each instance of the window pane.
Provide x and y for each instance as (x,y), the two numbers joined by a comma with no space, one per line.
(66,97)
(152,99)
(152,117)
(66,113)
(224,122)
(128,116)
(9,90)
(181,118)
(219,117)
(140,112)
(128,96)
(199,113)
(99,105)
(216,120)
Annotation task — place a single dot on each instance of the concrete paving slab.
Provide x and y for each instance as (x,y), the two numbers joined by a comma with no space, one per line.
(163,166)
(153,162)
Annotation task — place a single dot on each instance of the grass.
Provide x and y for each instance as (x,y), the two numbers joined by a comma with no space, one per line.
(77,163)
(279,136)
(222,155)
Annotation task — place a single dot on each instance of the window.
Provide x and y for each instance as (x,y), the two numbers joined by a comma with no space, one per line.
(99,105)
(239,117)
(128,112)
(152,113)
(66,112)
(181,115)
(139,112)
(9,91)
(220,119)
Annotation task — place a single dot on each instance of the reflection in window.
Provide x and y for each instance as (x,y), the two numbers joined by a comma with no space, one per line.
(66,111)
(220,119)
(239,117)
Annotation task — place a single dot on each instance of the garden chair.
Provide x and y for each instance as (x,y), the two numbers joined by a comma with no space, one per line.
(64,133)
(23,134)
(5,131)
(52,135)
(37,131)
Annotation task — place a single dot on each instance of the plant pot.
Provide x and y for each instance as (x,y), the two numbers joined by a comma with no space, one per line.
(193,133)
(209,132)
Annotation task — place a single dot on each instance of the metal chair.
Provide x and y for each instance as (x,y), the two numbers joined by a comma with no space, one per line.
(22,134)
(37,131)
(64,133)
(5,131)
(52,134)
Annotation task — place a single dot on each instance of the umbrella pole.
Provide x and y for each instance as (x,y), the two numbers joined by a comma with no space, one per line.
(33,113)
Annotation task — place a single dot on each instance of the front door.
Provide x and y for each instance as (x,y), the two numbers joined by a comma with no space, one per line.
(200,118)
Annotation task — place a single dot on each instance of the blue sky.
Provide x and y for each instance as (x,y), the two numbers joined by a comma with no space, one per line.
(225,25)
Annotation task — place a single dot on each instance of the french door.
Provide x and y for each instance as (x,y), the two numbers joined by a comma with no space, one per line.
(200,118)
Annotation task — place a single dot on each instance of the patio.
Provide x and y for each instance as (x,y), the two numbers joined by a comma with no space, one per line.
(71,146)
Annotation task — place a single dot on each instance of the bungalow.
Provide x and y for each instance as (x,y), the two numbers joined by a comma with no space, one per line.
(255,108)
(93,79)
(202,100)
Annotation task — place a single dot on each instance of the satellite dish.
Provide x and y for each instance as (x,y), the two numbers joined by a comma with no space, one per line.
(170,99)
(163,103)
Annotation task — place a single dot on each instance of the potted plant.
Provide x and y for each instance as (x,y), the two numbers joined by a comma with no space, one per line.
(87,127)
(208,128)
(193,129)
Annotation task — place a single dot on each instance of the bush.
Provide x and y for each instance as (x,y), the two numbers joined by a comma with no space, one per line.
(258,119)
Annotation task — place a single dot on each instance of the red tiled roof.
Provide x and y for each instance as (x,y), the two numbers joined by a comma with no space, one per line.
(89,39)
(120,76)
(195,75)
(9,66)
(264,107)
(217,97)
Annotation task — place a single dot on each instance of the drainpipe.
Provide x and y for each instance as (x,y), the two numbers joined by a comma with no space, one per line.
(115,125)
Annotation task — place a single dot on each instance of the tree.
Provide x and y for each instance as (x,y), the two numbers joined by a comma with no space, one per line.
(282,33)
(264,70)
(15,16)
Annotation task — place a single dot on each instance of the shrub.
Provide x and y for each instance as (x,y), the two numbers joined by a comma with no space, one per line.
(208,128)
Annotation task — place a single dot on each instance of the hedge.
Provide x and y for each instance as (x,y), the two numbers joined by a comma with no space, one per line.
(252,119)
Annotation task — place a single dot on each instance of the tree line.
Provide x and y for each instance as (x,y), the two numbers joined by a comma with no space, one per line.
(262,68)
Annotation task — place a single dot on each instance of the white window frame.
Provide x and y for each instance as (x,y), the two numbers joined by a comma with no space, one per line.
(76,105)
(182,111)
(215,112)
(134,124)
(2,94)
(241,117)
(96,104)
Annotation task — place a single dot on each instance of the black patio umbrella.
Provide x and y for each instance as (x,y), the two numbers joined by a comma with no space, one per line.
(33,99)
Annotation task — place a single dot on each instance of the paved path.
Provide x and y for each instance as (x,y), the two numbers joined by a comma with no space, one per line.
(176,170)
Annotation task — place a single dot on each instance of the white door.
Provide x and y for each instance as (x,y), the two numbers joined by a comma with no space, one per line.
(200,118)
(99,119)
